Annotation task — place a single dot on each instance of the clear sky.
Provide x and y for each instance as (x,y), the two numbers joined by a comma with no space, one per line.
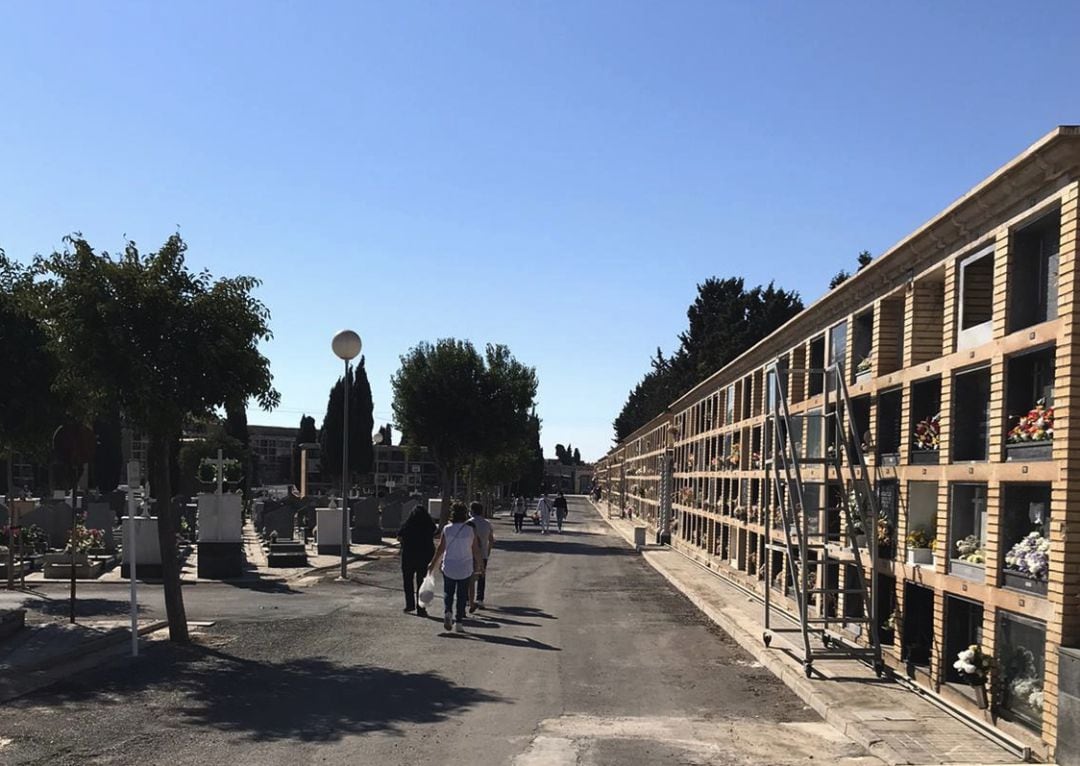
(556,176)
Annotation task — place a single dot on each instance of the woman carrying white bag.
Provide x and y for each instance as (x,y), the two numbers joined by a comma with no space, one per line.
(458,556)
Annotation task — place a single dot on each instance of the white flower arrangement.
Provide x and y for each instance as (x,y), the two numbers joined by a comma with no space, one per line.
(974,664)
(1030,556)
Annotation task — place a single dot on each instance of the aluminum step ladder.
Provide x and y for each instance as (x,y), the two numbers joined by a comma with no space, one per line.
(815,553)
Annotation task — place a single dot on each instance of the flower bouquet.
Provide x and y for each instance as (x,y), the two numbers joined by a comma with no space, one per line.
(1036,426)
(82,540)
(735,457)
(974,665)
(927,436)
(864,365)
(1030,557)
(970,550)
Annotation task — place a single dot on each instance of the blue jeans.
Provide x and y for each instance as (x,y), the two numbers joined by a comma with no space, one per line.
(462,588)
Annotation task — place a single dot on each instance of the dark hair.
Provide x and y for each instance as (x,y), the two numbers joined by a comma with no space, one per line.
(458,513)
(477,509)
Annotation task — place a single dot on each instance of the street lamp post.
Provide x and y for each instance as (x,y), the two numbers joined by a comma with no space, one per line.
(346,345)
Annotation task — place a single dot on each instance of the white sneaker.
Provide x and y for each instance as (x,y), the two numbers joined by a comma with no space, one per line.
(459,628)
(448,621)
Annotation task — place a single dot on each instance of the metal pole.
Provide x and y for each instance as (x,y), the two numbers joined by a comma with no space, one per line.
(345,480)
(71,559)
(131,563)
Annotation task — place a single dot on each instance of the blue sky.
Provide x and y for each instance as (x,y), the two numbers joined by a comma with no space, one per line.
(555,176)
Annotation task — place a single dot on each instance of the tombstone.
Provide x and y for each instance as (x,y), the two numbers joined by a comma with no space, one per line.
(146,548)
(328,540)
(366,527)
(54,518)
(279,523)
(257,510)
(391,517)
(221,540)
(100,515)
(434,508)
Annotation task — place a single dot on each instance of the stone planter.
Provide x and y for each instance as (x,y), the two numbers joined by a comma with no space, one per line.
(865,375)
(920,556)
(889,459)
(1024,451)
(1019,581)
(980,696)
(924,457)
(974,572)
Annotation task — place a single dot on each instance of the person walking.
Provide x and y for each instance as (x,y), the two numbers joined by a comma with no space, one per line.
(560,511)
(519,513)
(458,556)
(543,510)
(417,537)
(485,534)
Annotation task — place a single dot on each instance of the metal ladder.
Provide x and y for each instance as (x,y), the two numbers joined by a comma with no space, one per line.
(844,465)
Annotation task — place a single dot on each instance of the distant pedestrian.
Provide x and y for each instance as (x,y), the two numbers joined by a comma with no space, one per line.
(543,510)
(519,513)
(417,536)
(485,535)
(458,555)
(560,511)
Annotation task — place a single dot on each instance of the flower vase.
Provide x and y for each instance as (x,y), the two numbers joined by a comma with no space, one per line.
(980,696)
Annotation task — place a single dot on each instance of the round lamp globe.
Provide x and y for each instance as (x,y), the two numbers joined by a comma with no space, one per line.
(346,345)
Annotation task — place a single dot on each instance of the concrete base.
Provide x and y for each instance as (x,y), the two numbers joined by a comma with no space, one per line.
(288,554)
(221,561)
(328,550)
(367,535)
(144,571)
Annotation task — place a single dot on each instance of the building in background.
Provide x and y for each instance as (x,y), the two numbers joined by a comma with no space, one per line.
(568,479)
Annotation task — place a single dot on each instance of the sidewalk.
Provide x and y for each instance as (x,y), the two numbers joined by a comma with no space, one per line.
(894,724)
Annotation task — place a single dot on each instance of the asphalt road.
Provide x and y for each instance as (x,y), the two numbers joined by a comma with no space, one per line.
(584,656)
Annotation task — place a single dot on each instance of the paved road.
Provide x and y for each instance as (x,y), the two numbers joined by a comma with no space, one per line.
(584,656)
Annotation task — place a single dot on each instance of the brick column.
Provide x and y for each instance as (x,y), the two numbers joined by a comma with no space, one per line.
(948,308)
(1063,590)
(1003,265)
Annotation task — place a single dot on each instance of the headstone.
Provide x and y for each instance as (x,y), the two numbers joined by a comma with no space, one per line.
(328,540)
(54,518)
(257,509)
(366,527)
(147,549)
(100,516)
(434,508)
(390,519)
(279,523)
(221,531)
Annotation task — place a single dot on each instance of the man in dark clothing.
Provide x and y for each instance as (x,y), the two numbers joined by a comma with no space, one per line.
(560,510)
(417,536)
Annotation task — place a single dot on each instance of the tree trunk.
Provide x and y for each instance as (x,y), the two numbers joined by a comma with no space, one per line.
(161,485)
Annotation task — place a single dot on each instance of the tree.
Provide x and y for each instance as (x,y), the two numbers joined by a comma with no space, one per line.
(236,426)
(531,479)
(307,435)
(724,320)
(108,453)
(462,405)
(577,457)
(361,425)
(864,259)
(165,344)
(560,453)
(30,409)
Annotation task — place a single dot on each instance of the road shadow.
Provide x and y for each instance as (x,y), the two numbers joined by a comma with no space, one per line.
(262,585)
(563,544)
(521,611)
(327,701)
(520,642)
(84,607)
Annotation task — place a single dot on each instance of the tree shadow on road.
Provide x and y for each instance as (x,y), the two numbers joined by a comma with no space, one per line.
(554,543)
(84,607)
(309,700)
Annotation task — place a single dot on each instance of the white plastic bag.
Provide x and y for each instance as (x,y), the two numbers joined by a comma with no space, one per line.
(427,590)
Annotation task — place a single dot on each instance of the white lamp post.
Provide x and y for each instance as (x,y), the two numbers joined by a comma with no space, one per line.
(346,345)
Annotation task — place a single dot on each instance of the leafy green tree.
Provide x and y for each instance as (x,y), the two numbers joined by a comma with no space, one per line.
(461,405)
(577,457)
(165,344)
(361,425)
(839,278)
(108,453)
(724,320)
(30,410)
(236,426)
(193,452)
(560,453)
(864,259)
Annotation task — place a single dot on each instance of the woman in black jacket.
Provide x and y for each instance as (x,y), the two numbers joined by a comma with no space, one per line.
(417,536)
